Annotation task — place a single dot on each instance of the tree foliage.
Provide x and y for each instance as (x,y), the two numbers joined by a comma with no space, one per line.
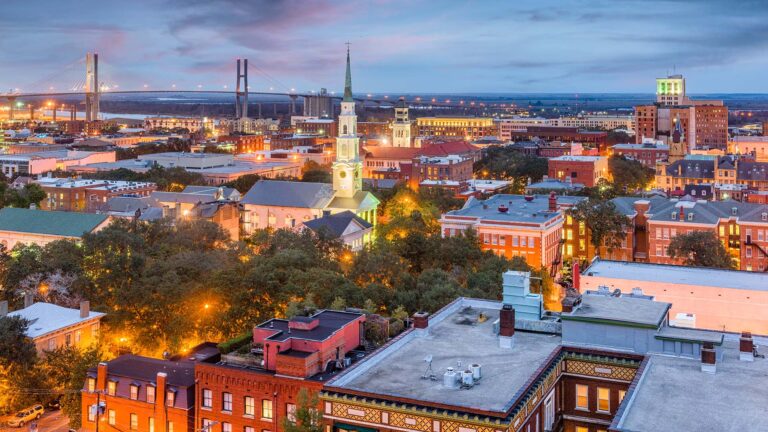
(700,248)
(307,417)
(629,175)
(606,225)
(510,164)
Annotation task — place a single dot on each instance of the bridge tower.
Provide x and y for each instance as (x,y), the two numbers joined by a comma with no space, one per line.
(92,89)
(241,92)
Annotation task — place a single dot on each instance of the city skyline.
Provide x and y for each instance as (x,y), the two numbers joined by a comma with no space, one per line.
(396,46)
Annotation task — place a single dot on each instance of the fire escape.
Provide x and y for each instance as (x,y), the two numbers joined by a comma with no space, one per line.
(749,242)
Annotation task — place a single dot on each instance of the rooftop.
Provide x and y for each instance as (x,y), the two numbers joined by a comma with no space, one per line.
(47,317)
(57,223)
(681,275)
(179,373)
(329,323)
(455,338)
(625,309)
(674,394)
(289,194)
(518,208)
(577,158)
(336,224)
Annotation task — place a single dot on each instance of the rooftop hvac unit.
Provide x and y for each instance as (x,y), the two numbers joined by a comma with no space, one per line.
(451,379)
(466,379)
(476,371)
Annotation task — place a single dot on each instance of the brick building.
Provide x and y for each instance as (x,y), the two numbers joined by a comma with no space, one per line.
(257,391)
(243,143)
(452,167)
(581,169)
(721,170)
(647,153)
(133,393)
(67,194)
(514,225)
(597,139)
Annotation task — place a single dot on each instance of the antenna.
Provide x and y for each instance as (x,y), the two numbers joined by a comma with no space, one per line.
(429,373)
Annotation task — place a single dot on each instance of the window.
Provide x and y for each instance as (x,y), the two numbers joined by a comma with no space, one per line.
(150,394)
(549,412)
(151,425)
(111,418)
(226,401)
(622,393)
(91,384)
(52,344)
(92,413)
(134,392)
(207,398)
(170,398)
(582,429)
(603,399)
(78,336)
(248,429)
(266,409)
(749,251)
(170,426)
(290,410)
(111,387)
(68,339)
(134,422)
(226,427)
(582,397)
(207,425)
(250,406)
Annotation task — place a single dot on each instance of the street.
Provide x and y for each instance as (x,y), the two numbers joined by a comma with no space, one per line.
(52,421)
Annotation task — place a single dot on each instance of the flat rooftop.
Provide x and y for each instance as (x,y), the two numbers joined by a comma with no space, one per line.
(622,309)
(329,323)
(455,336)
(678,275)
(674,394)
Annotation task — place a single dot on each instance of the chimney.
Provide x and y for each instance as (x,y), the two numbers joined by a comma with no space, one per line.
(101,376)
(3,308)
(29,300)
(420,320)
(708,358)
(746,347)
(576,275)
(552,201)
(85,309)
(506,326)
(160,399)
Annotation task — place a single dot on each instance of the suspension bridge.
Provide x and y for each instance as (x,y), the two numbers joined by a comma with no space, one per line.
(92,88)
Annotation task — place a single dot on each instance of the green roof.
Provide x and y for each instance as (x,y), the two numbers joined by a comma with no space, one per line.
(67,224)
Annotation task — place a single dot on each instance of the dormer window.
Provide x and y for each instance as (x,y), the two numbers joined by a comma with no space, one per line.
(674,215)
(764,216)
(112,387)
(734,211)
(134,391)
(690,216)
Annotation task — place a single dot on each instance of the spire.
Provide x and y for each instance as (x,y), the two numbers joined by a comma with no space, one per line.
(348,81)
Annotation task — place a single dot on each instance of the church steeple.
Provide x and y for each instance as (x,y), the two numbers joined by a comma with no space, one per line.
(348,81)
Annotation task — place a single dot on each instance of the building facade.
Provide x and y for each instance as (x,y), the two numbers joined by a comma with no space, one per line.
(587,170)
(469,128)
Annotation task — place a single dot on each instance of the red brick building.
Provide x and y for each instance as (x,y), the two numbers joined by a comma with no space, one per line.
(597,139)
(647,153)
(133,393)
(449,168)
(244,143)
(257,391)
(67,194)
(586,170)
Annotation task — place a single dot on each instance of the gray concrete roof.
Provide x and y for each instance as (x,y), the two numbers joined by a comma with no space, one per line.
(675,395)
(686,334)
(289,194)
(620,309)
(683,275)
(520,210)
(454,335)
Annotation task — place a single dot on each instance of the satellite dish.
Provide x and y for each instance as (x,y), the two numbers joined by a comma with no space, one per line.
(428,358)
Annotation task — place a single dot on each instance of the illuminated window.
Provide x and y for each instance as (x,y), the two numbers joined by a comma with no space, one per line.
(622,393)
(250,406)
(91,385)
(582,429)
(111,387)
(603,399)
(290,410)
(151,424)
(226,427)
(134,391)
(207,398)
(226,401)
(170,426)
(150,394)
(170,398)
(134,422)
(266,409)
(582,397)
(111,417)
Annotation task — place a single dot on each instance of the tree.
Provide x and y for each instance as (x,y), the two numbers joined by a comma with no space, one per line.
(15,347)
(607,226)
(306,418)
(629,175)
(510,164)
(66,369)
(700,248)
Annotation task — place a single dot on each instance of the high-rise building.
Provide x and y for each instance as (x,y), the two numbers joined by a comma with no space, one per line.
(704,123)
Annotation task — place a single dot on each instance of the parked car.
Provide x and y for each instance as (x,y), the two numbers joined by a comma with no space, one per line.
(26,415)
(54,404)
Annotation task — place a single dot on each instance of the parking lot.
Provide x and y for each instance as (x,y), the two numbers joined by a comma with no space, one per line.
(52,421)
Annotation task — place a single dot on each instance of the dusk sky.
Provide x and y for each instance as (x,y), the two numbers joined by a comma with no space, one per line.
(397,46)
